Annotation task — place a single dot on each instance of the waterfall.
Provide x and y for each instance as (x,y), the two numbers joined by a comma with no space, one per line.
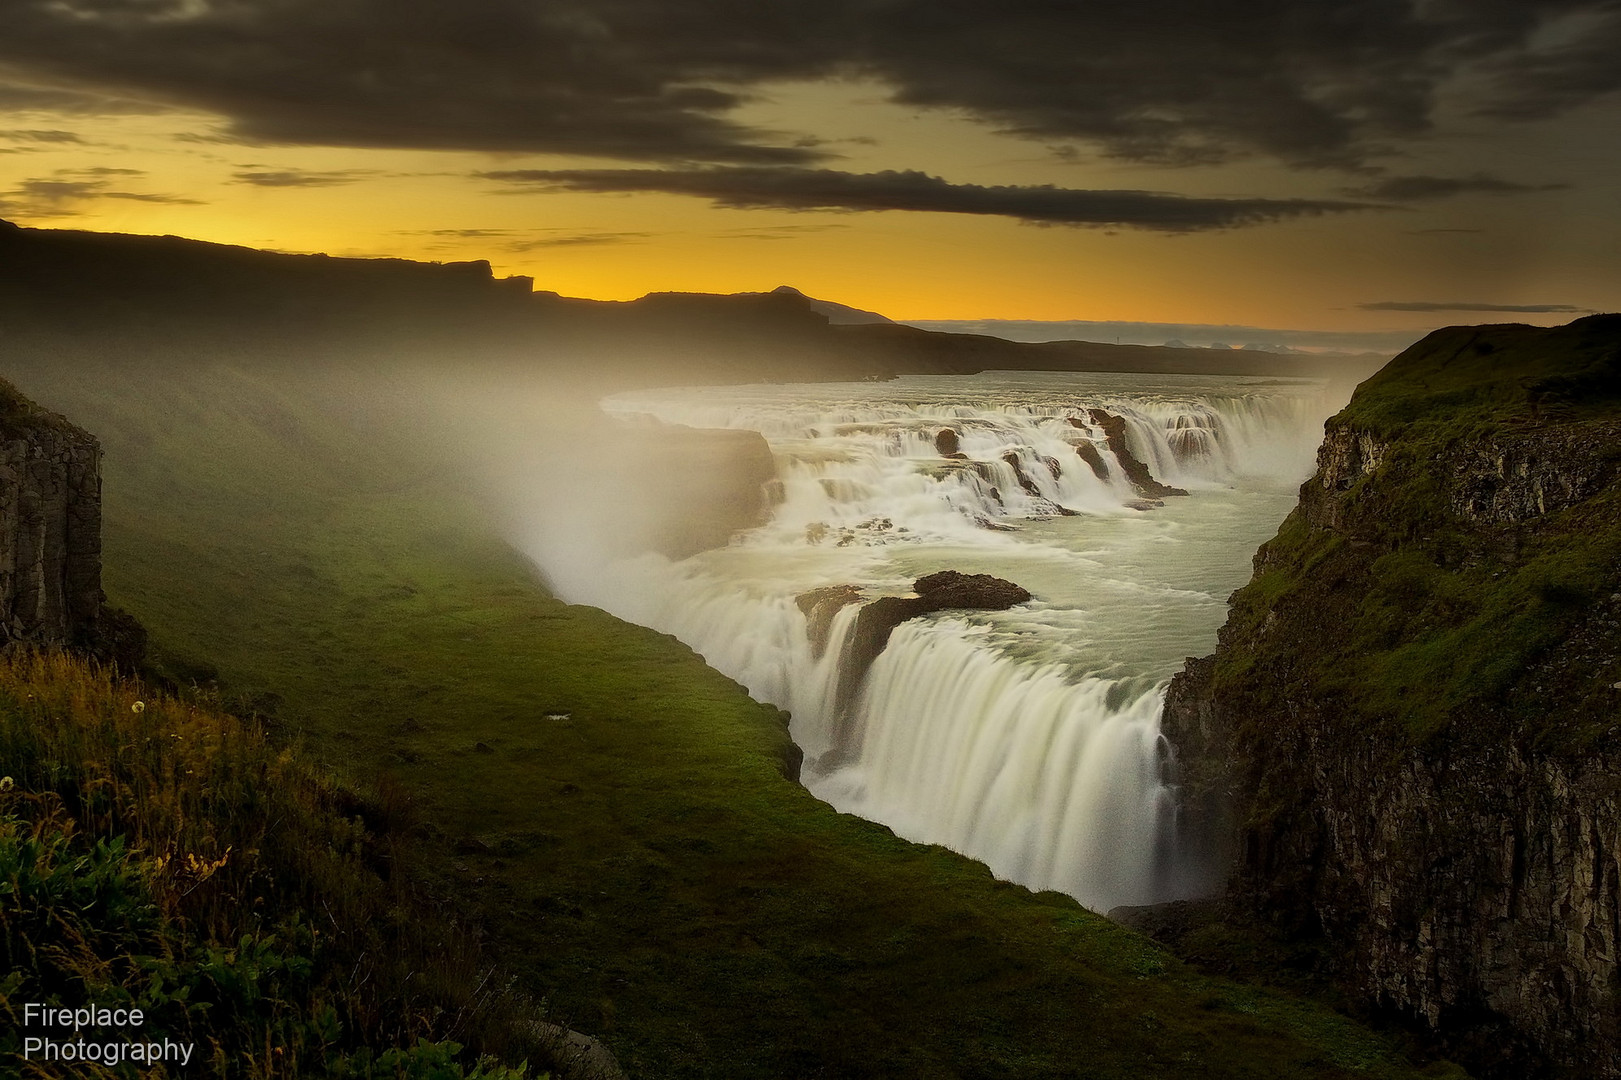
(1027,738)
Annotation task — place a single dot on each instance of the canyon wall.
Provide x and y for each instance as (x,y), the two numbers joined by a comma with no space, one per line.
(50,538)
(1408,742)
(50,526)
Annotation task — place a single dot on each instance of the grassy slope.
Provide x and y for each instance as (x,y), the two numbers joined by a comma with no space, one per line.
(157,853)
(640,862)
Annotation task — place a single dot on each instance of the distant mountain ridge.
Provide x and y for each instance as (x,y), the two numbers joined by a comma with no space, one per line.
(165,292)
(1182,335)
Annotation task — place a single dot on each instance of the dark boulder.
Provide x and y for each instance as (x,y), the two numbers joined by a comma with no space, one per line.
(820,606)
(947,446)
(951,589)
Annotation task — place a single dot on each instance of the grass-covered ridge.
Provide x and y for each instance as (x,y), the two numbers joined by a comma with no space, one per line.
(161,855)
(610,810)
(1464,379)
(1442,581)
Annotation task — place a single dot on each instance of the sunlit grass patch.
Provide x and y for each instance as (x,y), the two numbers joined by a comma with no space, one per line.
(158,853)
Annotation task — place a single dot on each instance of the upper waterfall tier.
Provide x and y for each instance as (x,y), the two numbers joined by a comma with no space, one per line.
(877,463)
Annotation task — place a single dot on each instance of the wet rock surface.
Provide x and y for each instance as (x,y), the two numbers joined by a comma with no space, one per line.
(1094,460)
(943,591)
(1114,433)
(820,607)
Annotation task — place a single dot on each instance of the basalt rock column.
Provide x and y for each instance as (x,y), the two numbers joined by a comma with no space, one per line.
(50,527)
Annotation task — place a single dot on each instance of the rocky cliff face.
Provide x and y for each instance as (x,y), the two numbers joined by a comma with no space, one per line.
(50,525)
(50,536)
(1409,738)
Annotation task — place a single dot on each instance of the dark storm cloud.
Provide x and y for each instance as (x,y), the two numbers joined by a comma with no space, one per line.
(1421,188)
(1581,64)
(1461,305)
(1313,82)
(827,189)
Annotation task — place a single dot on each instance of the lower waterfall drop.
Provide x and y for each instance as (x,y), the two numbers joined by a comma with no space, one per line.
(1026,737)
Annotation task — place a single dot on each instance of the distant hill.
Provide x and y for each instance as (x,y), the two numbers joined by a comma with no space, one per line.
(837,314)
(167,295)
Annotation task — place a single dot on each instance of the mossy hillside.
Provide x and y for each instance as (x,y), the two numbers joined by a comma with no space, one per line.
(158,854)
(607,806)
(1411,614)
(1465,379)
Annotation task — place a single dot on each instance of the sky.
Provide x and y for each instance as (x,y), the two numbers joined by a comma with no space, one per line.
(1369,166)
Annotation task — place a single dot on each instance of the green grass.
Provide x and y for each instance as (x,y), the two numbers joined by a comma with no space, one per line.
(608,808)
(1464,380)
(158,854)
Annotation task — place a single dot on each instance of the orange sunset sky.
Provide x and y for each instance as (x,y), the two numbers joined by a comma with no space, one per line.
(1330,164)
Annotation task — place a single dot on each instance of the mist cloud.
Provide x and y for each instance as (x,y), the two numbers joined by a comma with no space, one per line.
(828,189)
(1464,305)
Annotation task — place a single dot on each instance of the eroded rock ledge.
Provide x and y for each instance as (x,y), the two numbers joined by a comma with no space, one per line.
(1136,470)
(947,590)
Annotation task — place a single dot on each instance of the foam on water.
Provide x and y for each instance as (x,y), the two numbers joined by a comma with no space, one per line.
(1027,738)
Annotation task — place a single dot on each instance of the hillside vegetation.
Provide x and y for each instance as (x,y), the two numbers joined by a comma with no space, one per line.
(158,854)
(609,810)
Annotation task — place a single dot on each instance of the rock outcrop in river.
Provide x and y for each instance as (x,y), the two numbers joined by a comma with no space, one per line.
(1409,738)
(947,590)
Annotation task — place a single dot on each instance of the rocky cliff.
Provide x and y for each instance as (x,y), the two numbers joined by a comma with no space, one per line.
(1408,741)
(50,535)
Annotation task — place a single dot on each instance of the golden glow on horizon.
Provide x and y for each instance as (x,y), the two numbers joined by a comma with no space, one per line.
(1310,273)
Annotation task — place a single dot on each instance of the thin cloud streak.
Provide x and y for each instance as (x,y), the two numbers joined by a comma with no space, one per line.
(298,178)
(830,190)
(1423,188)
(56,195)
(52,136)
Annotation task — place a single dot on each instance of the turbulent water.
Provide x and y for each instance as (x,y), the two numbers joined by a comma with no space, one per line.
(1027,738)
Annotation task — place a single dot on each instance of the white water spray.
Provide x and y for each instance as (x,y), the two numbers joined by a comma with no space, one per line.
(1027,738)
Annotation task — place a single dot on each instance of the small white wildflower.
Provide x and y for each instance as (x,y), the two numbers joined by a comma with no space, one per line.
(138,707)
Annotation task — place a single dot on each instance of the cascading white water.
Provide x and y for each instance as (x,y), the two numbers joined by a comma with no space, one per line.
(1027,738)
